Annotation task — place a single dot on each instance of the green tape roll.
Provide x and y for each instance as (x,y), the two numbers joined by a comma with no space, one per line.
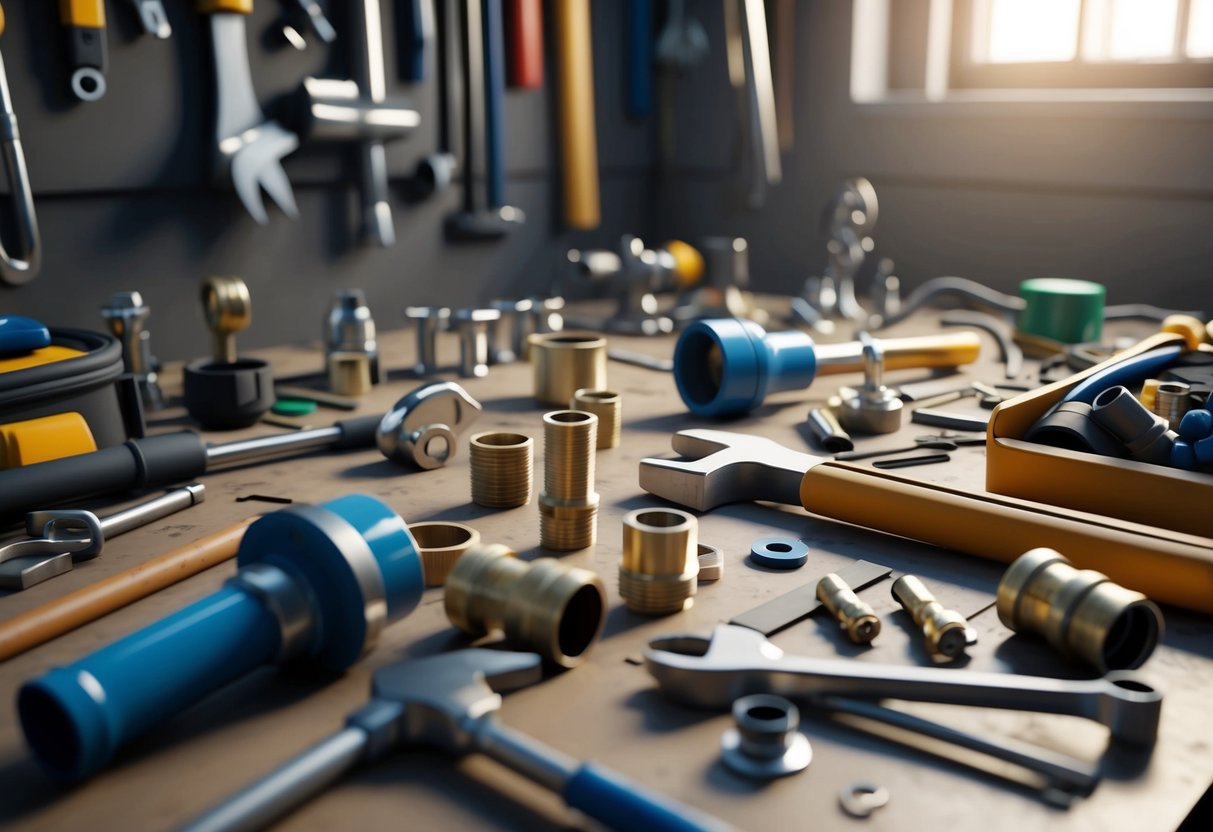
(294,407)
(1070,311)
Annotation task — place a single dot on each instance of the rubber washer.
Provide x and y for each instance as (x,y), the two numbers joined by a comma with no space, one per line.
(294,407)
(779,552)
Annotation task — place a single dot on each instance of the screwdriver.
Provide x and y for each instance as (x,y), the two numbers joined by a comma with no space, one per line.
(165,459)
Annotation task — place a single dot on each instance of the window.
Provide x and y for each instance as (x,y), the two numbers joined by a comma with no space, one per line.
(1082,43)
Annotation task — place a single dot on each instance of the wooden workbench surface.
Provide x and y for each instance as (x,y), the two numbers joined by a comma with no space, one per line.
(607,709)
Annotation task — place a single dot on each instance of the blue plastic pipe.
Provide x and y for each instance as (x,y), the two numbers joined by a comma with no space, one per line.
(341,558)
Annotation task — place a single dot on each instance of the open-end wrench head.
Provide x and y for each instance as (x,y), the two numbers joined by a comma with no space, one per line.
(724,467)
(257,164)
(443,694)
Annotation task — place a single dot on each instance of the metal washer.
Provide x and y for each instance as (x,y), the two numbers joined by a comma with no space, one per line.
(779,552)
(859,800)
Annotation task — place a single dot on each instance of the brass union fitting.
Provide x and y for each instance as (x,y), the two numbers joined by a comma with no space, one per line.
(568,506)
(502,466)
(565,362)
(854,615)
(440,545)
(606,405)
(556,610)
(946,631)
(660,566)
(1079,611)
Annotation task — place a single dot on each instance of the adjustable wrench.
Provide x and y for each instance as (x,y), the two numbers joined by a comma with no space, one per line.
(724,467)
(249,147)
(711,672)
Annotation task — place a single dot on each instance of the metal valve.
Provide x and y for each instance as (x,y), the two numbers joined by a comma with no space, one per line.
(872,408)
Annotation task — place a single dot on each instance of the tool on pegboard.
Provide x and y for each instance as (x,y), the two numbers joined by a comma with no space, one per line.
(575,99)
(306,15)
(152,17)
(483,217)
(248,147)
(524,44)
(24,266)
(87,53)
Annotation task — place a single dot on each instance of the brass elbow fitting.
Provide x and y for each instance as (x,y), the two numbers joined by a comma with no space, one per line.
(854,615)
(556,610)
(606,405)
(1079,611)
(946,631)
(659,571)
(565,362)
(502,469)
(568,506)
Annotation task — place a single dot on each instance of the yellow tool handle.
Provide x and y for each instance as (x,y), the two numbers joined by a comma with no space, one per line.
(87,14)
(578,138)
(44,438)
(53,619)
(229,6)
(2,20)
(950,350)
(1168,566)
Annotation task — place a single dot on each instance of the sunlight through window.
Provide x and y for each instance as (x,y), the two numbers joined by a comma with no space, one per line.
(1022,31)
(1200,29)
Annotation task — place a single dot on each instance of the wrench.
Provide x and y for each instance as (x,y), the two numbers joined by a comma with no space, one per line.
(61,537)
(711,672)
(724,467)
(249,147)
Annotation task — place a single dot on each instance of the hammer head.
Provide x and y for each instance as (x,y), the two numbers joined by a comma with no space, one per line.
(722,467)
(442,695)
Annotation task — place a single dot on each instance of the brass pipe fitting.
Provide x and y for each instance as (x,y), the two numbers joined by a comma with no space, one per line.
(855,616)
(946,631)
(441,545)
(502,466)
(568,505)
(349,373)
(1079,611)
(606,405)
(660,566)
(565,362)
(556,610)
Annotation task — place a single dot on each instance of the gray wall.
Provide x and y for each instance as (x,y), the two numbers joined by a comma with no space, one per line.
(125,198)
(995,192)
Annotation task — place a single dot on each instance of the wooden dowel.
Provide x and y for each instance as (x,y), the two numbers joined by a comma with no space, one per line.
(87,604)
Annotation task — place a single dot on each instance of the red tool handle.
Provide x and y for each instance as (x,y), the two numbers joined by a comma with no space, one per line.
(524,43)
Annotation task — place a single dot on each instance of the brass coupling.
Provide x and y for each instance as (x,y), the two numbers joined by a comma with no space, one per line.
(855,616)
(947,633)
(565,362)
(502,469)
(1079,611)
(607,406)
(556,610)
(440,546)
(659,571)
(568,505)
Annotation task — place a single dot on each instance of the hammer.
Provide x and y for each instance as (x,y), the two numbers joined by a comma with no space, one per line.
(720,467)
(448,701)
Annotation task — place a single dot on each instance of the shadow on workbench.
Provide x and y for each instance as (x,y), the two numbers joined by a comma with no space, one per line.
(27,789)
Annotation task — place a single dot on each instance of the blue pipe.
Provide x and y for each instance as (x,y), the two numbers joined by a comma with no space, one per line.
(727,367)
(340,562)
(640,58)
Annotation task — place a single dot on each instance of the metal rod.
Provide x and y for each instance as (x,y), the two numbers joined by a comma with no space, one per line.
(152,510)
(246,450)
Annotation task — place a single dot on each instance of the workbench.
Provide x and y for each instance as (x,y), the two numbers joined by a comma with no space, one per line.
(608,709)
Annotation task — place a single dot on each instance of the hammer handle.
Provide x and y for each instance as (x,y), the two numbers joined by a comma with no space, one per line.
(1168,566)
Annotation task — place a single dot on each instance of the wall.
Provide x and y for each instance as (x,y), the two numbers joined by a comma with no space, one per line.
(992,191)
(125,198)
